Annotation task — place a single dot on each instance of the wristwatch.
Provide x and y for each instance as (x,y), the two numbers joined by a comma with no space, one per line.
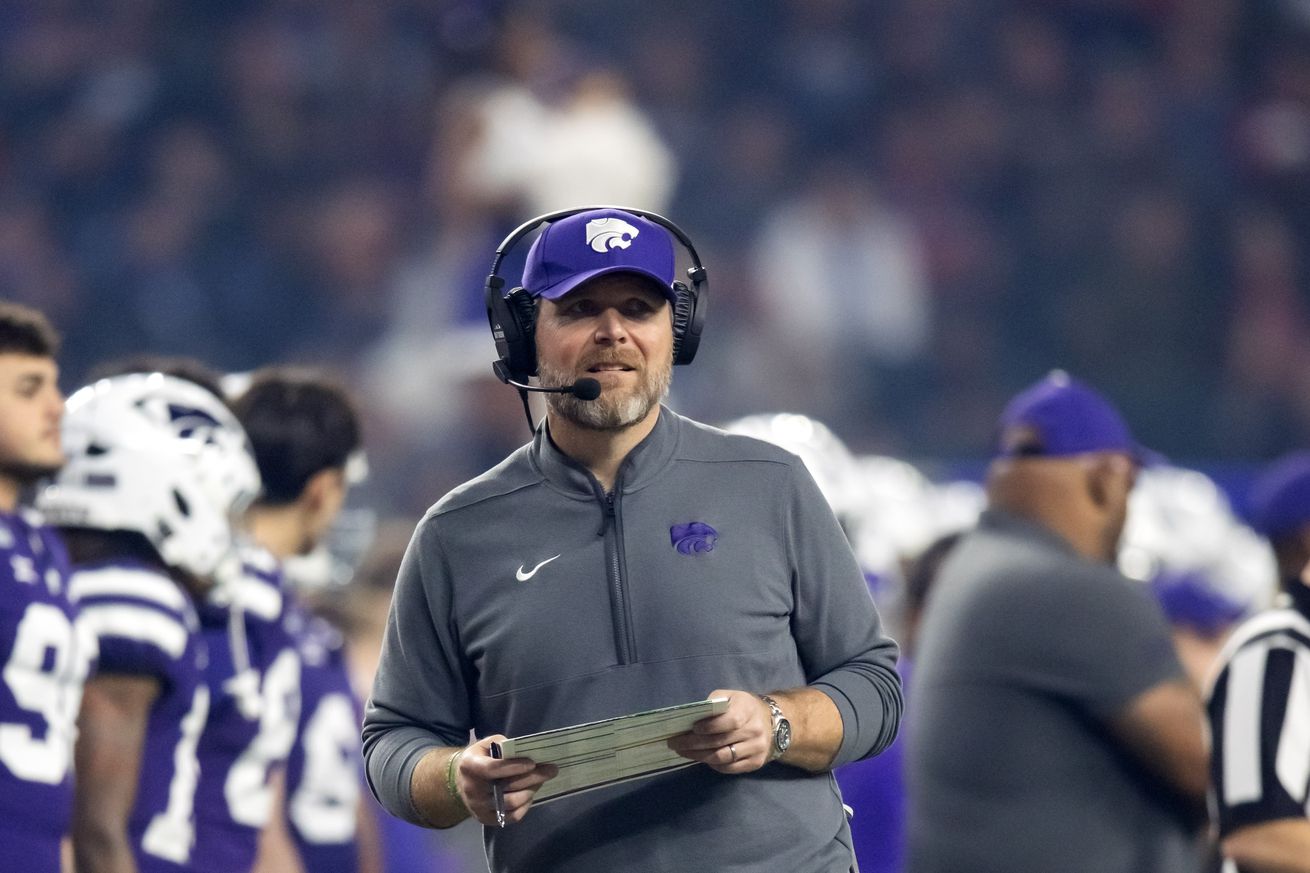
(781,729)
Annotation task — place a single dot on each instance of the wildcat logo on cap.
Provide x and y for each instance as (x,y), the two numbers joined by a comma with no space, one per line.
(612,241)
(604,234)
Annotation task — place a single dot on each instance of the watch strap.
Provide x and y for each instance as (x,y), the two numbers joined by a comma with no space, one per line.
(775,712)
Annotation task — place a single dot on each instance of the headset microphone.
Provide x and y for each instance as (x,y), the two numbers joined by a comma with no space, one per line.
(583,389)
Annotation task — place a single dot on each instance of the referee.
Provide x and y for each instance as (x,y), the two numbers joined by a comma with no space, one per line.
(1259,705)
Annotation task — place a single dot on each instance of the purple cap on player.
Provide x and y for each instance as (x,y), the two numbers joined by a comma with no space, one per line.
(1059,417)
(594,243)
(1280,498)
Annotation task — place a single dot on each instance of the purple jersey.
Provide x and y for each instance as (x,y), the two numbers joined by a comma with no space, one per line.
(43,662)
(254,683)
(875,789)
(324,772)
(146,625)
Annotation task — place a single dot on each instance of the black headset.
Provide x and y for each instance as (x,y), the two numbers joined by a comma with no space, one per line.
(512,316)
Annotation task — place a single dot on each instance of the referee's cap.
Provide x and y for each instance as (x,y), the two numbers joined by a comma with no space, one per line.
(1061,417)
(1280,497)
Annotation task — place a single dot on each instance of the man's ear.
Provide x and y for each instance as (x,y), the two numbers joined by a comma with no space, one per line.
(322,488)
(1109,479)
(1096,475)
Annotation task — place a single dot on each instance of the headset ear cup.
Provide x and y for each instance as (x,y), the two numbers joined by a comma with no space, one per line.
(687,322)
(500,322)
(522,352)
(513,320)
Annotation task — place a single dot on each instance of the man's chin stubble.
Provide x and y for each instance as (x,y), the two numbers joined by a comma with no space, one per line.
(603,413)
(599,415)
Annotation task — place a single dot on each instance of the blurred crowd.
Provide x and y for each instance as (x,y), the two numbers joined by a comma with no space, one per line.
(907,209)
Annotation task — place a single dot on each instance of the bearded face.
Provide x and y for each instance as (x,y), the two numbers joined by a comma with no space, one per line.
(617,330)
(619,405)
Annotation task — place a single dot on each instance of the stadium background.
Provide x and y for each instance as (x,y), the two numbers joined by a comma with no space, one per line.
(909,209)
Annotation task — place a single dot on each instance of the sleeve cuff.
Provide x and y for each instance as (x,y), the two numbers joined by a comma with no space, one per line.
(870,714)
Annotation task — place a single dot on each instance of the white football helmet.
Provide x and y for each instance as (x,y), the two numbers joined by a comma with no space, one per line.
(902,512)
(160,456)
(1183,538)
(826,457)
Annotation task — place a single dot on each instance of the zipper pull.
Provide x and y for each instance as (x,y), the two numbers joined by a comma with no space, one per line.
(607,512)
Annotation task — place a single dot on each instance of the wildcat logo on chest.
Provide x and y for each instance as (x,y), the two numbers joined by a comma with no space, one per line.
(693,538)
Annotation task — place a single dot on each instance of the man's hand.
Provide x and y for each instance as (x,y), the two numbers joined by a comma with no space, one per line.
(738,740)
(1279,846)
(477,773)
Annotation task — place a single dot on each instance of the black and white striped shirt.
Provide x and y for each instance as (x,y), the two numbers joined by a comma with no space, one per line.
(1259,709)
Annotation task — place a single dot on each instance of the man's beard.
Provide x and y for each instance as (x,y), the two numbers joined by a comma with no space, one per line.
(615,408)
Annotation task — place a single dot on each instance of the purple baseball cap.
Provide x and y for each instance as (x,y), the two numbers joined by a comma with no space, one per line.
(593,243)
(1059,417)
(1280,497)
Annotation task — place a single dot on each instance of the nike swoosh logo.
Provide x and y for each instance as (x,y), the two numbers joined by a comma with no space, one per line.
(523,577)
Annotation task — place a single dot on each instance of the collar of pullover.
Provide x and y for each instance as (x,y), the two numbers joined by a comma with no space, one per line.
(646,460)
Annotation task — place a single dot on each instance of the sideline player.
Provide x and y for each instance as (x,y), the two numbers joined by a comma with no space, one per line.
(157,467)
(305,434)
(42,661)
(252,674)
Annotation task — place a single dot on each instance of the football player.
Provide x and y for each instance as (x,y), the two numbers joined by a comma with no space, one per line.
(306,438)
(252,674)
(158,467)
(42,661)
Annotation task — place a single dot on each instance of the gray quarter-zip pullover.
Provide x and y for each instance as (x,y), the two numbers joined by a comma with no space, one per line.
(529,600)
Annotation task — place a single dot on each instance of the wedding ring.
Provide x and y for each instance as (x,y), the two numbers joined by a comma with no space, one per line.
(732,748)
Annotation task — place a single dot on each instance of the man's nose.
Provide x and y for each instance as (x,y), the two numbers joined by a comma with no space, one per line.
(610,327)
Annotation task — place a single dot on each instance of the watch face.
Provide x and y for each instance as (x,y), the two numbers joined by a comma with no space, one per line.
(782,736)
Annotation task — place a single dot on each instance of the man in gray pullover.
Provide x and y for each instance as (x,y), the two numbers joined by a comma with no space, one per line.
(630,558)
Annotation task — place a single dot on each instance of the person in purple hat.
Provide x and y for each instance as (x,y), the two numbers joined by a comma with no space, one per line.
(627,559)
(1052,726)
(1259,700)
